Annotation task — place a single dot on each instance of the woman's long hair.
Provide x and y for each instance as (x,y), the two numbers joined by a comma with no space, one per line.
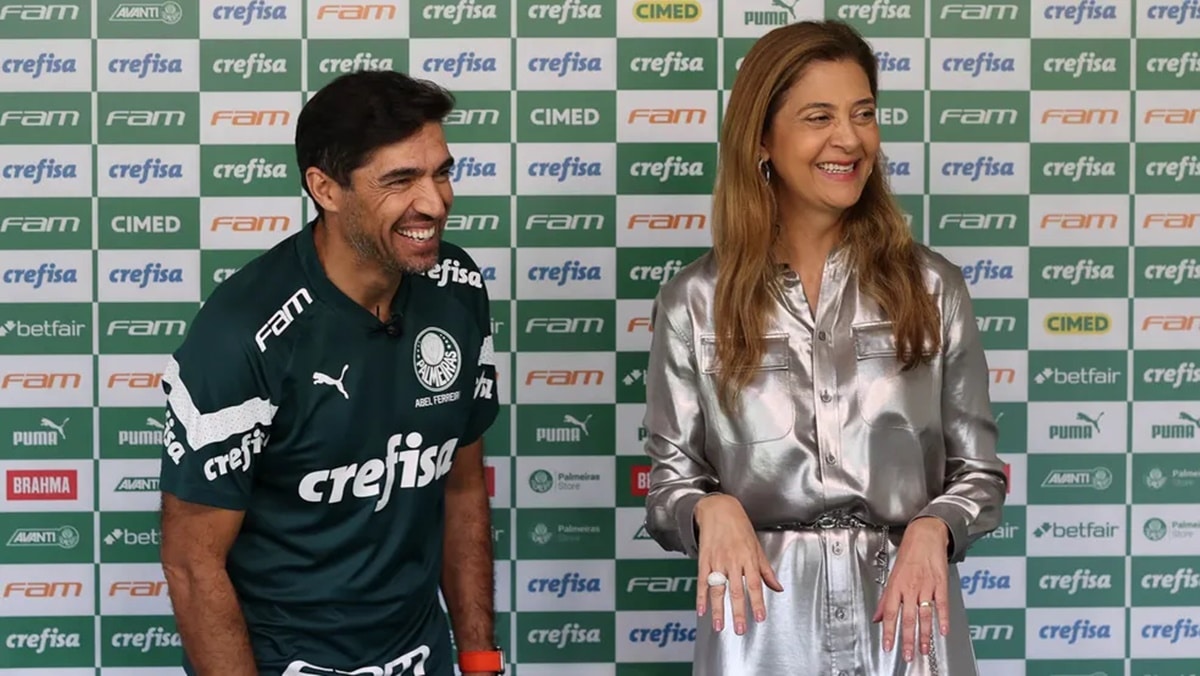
(879,242)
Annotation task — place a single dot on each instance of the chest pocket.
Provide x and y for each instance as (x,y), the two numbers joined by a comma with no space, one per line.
(887,396)
(767,409)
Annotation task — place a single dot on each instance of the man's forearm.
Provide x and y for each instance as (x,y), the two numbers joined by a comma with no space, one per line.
(467,569)
(210,622)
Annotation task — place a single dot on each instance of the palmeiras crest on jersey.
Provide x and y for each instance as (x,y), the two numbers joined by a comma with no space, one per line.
(436,359)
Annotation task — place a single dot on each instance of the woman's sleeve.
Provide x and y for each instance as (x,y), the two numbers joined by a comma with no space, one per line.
(975,485)
(674,422)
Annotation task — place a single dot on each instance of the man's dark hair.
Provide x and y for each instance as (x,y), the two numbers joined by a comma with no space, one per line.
(354,115)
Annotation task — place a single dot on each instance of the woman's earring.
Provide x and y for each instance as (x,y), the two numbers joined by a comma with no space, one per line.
(764,168)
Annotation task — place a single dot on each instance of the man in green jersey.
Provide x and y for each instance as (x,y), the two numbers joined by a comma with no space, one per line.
(322,459)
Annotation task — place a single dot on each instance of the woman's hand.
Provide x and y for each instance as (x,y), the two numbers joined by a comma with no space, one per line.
(919,576)
(728,545)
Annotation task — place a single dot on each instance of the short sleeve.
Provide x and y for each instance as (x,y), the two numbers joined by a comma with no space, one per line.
(218,420)
(486,398)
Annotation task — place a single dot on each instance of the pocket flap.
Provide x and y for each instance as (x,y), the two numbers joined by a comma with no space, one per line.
(776,355)
(874,339)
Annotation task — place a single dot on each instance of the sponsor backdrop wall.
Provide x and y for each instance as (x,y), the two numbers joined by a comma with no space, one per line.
(1049,148)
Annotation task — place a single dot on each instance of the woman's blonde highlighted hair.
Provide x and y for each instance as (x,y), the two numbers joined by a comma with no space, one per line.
(880,245)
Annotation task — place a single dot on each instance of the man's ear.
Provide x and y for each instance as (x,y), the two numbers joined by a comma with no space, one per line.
(325,191)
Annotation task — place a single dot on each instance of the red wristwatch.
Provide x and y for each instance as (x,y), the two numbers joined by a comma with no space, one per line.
(488,661)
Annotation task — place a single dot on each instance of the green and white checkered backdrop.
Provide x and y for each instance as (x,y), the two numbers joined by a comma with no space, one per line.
(1050,148)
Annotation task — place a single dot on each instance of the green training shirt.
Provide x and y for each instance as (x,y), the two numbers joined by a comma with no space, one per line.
(334,432)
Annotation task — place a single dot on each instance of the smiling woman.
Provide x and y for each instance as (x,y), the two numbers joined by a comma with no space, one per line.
(818,418)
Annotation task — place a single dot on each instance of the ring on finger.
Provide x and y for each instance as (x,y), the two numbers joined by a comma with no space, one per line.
(925,604)
(717,579)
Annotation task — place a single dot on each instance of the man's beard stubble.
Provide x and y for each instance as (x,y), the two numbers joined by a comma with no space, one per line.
(370,251)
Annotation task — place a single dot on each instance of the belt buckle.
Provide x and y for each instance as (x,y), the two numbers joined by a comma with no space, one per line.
(827,521)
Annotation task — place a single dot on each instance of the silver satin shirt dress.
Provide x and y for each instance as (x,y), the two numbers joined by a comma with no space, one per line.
(836,450)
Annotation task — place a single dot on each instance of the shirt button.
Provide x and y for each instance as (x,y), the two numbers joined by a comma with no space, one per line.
(825,396)
(841,615)
(829,458)
(837,548)
(820,335)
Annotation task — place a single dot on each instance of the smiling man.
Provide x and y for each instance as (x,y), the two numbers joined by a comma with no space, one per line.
(325,413)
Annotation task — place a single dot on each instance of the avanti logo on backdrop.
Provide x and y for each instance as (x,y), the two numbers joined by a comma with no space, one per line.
(168,12)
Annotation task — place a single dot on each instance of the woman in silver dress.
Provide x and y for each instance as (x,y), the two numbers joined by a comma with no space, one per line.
(818,414)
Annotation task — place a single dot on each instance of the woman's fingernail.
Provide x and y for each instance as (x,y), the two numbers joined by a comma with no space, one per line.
(760,616)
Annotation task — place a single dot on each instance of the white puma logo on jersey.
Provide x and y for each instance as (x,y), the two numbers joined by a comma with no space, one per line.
(322,379)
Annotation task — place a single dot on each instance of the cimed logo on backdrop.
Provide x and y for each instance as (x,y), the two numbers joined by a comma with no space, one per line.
(436,359)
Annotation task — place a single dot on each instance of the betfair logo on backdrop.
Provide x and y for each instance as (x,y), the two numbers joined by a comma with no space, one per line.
(1094,375)
(253,10)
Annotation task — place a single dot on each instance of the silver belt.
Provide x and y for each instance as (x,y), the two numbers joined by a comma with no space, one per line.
(830,521)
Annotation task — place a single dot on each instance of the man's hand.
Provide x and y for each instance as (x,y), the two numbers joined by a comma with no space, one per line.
(468,583)
(195,540)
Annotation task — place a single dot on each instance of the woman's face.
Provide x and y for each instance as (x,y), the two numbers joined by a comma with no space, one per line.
(824,138)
